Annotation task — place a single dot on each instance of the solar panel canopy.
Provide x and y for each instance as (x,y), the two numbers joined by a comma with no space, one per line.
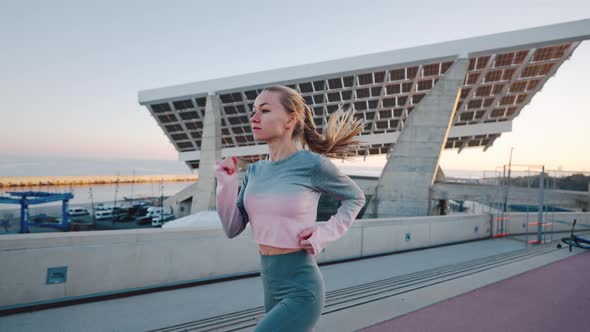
(383,89)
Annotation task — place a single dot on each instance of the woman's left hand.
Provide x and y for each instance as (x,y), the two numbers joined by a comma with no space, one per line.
(303,239)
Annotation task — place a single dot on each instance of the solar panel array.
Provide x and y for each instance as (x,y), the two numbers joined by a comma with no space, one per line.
(496,88)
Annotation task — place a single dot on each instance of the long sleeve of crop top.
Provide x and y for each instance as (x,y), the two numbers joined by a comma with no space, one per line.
(229,202)
(327,178)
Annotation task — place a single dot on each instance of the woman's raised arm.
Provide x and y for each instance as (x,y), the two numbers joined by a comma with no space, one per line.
(228,200)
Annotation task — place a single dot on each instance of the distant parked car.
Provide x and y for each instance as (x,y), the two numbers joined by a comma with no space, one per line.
(153,211)
(123,217)
(141,211)
(144,220)
(78,211)
(102,207)
(43,218)
(159,220)
(104,214)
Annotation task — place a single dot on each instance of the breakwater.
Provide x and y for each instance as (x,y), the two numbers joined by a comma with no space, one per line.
(28,181)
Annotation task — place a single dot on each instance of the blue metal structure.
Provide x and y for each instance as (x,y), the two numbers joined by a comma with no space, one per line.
(27,198)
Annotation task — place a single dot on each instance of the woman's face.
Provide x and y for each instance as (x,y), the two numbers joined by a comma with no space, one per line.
(270,120)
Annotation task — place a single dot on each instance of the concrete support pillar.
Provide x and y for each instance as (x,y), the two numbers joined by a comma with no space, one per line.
(204,193)
(65,217)
(24,216)
(440,174)
(404,185)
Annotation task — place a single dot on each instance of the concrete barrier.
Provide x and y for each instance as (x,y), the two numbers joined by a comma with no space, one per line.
(523,223)
(106,262)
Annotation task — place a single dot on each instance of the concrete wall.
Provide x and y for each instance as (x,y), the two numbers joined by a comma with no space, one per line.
(518,223)
(181,202)
(107,261)
(377,236)
(111,261)
(101,262)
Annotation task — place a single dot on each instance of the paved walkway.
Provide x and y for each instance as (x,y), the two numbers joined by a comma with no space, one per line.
(555,297)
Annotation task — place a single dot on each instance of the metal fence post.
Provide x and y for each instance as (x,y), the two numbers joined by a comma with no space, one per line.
(541,204)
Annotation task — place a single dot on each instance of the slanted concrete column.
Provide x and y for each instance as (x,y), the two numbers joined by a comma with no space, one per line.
(204,193)
(404,184)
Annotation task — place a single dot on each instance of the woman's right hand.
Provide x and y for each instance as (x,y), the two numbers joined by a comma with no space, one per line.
(228,165)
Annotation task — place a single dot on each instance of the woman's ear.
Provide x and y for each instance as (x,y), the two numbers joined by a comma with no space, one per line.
(292,121)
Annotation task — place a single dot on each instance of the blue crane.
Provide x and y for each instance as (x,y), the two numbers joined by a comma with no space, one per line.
(27,198)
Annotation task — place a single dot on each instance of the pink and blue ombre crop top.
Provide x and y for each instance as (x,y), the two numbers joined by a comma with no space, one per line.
(280,200)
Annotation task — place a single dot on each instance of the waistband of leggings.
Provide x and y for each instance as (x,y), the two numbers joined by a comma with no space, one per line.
(289,259)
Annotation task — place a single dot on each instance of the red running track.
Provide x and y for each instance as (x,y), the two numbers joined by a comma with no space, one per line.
(555,297)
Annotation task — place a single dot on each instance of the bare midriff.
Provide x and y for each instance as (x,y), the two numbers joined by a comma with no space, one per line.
(270,250)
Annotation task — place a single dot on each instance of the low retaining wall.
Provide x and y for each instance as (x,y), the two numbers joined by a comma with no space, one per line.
(521,223)
(105,262)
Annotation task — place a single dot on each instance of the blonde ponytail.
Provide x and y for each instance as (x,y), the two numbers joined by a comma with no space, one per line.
(340,134)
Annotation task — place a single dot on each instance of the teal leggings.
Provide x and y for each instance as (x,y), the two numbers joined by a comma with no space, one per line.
(293,292)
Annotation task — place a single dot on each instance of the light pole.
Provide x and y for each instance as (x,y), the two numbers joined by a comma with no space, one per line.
(508,182)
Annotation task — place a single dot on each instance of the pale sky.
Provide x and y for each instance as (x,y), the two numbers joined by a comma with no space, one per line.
(70,70)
